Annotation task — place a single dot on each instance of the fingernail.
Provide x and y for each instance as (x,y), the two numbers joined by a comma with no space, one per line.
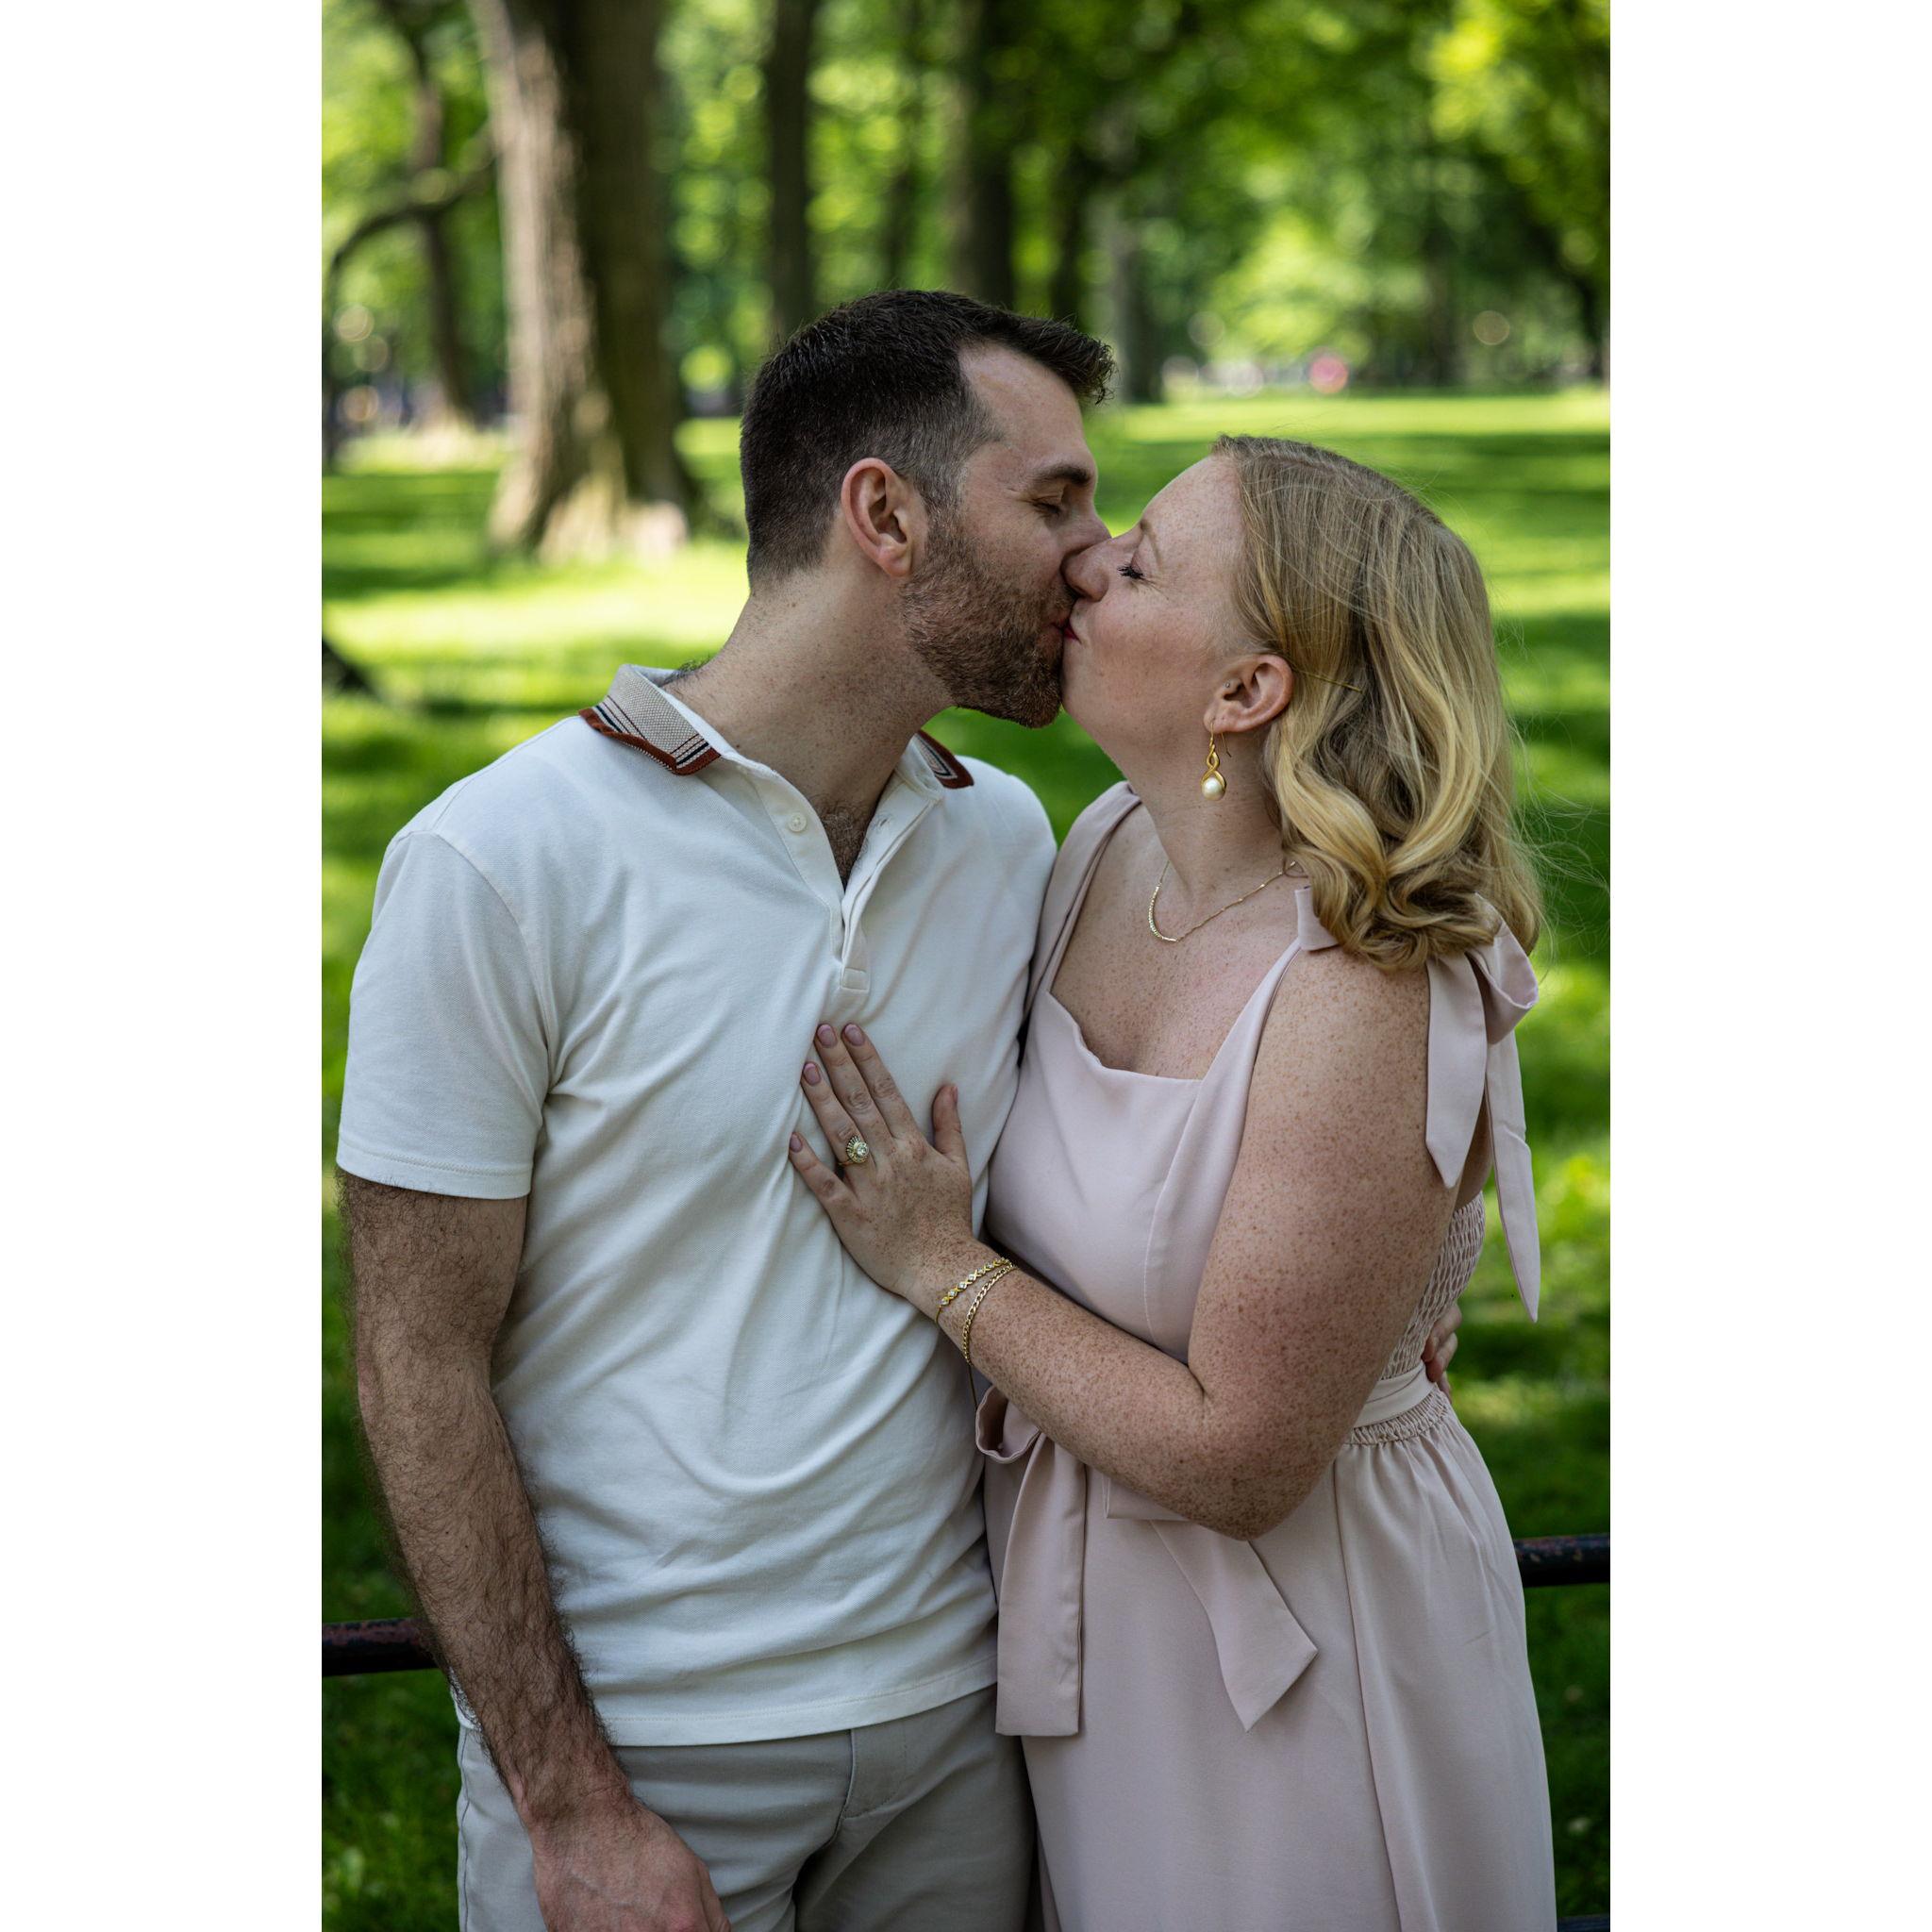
(854,1035)
(796,1143)
(827,1037)
(811,1075)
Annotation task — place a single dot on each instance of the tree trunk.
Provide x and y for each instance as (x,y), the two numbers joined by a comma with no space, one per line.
(1589,312)
(1066,295)
(413,207)
(985,263)
(900,218)
(1133,319)
(331,391)
(1442,343)
(574,99)
(1548,246)
(445,328)
(787,159)
(428,160)
(446,324)
(619,91)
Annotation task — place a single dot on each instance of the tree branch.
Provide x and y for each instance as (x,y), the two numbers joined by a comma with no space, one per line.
(412,208)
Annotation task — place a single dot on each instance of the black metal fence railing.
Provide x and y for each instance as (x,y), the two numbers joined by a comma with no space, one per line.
(395,1643)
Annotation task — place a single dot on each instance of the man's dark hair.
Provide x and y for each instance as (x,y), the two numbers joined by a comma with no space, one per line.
(881,377)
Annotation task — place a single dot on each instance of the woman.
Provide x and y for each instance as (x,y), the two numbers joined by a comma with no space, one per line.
(1260,1625)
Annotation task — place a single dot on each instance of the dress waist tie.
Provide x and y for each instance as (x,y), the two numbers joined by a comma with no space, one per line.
(1260,1646)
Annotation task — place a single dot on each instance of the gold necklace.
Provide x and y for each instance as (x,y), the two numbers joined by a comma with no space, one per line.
(1175,938)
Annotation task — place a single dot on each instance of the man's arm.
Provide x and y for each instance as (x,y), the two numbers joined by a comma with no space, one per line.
(433,1277)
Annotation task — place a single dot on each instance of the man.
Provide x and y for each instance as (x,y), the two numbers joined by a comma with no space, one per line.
(690,1506)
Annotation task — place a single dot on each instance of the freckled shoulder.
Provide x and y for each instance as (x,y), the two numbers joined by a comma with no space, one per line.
(1345,1035)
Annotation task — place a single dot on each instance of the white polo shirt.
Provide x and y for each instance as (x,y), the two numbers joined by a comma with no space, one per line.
(593,976)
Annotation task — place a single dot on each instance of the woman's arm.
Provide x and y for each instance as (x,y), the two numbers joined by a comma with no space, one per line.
(1330,1227)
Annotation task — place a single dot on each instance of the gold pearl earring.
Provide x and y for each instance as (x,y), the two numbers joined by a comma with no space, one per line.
(1213,783)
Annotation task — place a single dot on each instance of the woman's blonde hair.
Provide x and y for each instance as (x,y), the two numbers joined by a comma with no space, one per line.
(1395,796)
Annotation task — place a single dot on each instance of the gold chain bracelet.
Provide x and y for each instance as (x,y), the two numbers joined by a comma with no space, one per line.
(973,1308)
(952,1293)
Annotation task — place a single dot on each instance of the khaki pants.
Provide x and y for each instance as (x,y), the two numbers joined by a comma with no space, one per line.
(921,1824)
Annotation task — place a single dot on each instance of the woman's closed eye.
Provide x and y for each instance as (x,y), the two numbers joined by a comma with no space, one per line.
(1127,569)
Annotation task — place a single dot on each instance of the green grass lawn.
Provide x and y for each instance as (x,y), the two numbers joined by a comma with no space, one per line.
(475,656)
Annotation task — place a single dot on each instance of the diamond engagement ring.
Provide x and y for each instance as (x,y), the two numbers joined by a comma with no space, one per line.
(856,1151)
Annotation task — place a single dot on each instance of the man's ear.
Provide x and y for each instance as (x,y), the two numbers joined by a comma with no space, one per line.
(883,514)
(1249,693)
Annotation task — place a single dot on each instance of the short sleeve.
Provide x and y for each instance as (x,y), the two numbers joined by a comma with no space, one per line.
(448,1064)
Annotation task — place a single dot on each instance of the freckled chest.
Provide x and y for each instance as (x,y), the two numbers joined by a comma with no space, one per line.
(1164,1009)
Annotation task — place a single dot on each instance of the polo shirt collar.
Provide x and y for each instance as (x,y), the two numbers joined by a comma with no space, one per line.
(635,712)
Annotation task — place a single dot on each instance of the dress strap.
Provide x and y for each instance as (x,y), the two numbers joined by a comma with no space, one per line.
(1475,1000)
(1073,872)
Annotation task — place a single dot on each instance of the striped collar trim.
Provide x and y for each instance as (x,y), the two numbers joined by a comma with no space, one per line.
(945,767)
(635,712)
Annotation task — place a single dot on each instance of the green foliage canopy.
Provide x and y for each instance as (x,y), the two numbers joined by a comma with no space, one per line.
(1215,180)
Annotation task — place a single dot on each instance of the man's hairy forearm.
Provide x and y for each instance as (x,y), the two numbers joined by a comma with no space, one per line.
(467,1536)
(433,1276)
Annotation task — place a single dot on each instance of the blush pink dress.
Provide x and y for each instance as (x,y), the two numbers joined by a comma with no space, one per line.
(1330,1728)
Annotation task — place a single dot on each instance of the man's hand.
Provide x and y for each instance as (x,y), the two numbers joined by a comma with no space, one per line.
(622,1870)
(1440,1348)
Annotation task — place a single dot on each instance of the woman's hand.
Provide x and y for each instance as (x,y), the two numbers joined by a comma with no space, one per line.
(1441,1345)
(905,1211)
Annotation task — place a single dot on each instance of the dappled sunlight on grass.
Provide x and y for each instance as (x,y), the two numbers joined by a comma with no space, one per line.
(1552,665)
(1502,1403)
(1567,774)
(1546,591)
(684,607)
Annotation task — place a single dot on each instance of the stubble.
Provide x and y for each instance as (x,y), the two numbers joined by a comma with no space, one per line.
(964,625)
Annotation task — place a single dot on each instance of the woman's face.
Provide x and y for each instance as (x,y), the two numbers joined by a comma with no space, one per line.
(1154,624)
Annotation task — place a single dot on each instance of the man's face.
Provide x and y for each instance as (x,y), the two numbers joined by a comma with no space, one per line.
(987,609)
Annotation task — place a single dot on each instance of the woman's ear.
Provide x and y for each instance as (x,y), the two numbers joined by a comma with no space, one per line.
(1252,692)
(883,515)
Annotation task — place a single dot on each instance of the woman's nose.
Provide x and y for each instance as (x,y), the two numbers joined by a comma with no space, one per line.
(1086,569)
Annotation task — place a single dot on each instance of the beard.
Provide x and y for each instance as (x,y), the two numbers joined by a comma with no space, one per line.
(984,649)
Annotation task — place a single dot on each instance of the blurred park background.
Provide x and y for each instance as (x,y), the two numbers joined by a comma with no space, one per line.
(558,237)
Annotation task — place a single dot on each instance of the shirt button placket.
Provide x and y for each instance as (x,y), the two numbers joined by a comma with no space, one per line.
(854,975)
